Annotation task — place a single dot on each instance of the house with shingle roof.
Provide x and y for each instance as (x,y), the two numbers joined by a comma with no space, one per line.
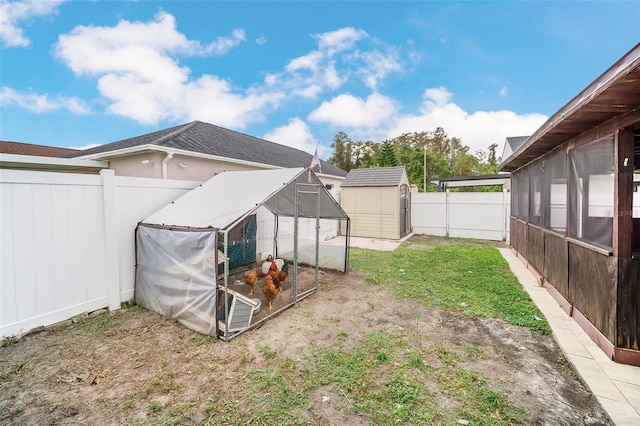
(197,151)
(511,145)
(26,156)
(378,202)
(19,148)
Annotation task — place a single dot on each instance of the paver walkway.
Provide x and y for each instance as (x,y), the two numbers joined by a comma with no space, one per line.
(617,386)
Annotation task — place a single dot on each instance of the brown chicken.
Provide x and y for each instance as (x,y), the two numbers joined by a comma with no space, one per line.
(282,275)
(270,291)
(250,278)
(275,277)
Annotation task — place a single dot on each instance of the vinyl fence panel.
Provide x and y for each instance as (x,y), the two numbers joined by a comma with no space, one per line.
(479,215)
(67,242)
(52,248)
(429,213)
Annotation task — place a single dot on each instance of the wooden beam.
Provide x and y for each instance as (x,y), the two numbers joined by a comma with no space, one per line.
(623,193)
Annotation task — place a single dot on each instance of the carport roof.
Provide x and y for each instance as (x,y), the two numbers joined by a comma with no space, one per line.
(613,94)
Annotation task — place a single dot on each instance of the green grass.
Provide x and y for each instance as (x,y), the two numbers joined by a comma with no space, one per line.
(381,378)
(476,281)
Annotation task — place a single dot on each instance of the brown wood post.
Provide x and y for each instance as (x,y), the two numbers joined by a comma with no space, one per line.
(623,193)
(628,287)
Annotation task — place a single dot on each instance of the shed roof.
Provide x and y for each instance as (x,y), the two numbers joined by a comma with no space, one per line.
(615,93)
(229,196)
(377,176)
(205,138)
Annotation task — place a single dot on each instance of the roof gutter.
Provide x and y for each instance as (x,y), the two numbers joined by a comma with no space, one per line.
(151,147)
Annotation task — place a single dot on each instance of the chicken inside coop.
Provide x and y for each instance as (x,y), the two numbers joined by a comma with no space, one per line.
(250,281)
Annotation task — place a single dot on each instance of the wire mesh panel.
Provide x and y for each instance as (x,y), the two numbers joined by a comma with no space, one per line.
(536,199)
(555,183)
(273,259)
(591,188)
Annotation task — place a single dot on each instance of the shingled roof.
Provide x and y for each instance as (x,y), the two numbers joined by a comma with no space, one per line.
(378,176)
(511,145)
(9,147)
(205,138)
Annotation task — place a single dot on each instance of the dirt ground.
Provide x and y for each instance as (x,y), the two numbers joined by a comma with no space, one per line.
(107,369)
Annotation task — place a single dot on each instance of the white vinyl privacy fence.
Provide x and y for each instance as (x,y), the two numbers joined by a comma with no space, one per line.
(67,242)
(68,247)
(480,215)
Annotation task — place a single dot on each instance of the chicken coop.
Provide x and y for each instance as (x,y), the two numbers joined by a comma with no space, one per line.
(192,255)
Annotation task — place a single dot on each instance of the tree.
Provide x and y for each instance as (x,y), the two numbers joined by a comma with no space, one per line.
(342,147)
(425,155)
(387,155)
(366,154)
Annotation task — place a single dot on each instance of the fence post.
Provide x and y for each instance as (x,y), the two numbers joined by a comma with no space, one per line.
(110,238)
(504,214)
(446,204)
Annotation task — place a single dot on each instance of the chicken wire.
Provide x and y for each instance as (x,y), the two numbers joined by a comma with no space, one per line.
(300,245)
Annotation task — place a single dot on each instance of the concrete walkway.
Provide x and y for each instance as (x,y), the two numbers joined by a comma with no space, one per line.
(616,386)
(370,243)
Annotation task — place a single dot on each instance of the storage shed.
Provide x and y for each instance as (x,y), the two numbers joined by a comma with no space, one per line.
(378,201)
(575,207)
(192,254)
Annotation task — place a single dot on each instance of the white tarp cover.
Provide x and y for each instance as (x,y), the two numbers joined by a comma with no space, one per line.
(176,275)
(228,196)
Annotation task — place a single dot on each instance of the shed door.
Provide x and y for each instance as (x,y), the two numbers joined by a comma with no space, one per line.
(405,210)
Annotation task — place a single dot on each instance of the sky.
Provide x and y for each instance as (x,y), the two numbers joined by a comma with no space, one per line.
(83,73)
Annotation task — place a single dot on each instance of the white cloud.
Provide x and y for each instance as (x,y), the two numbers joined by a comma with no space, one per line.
(337,41)
(211,99)
(138,72)
(377,66)
(331,76)
(477,130)
(296,134)
(223,44)
(261,40)
(355,113)
(83,147)
(41,103)
(503,91)
(323,69)
(311,61)
(14,13)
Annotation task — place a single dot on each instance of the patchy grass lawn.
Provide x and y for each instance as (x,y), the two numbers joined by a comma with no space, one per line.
(430,334)
(475,280)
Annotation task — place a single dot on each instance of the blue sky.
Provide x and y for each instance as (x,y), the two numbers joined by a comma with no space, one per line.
(81,73)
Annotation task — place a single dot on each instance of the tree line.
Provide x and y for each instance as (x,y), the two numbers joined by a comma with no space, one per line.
(425,155)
